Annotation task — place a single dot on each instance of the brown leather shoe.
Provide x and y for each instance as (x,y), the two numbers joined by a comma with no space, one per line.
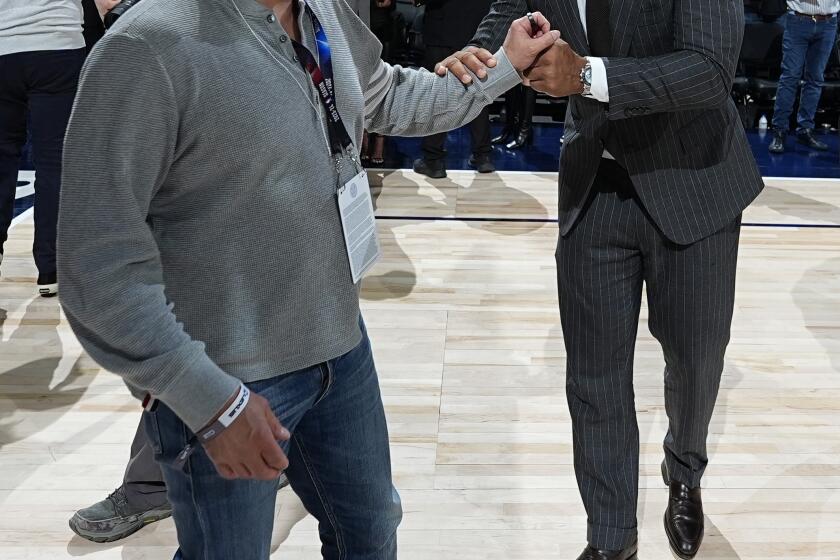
(684,522)
(629,553)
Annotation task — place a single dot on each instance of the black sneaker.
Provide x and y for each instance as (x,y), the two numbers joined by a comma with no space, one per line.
(806,138)
(48,285)
(431,169)
(777,145)
(482,163)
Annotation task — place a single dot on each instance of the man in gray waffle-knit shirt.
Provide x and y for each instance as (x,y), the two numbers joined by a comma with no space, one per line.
(201,248)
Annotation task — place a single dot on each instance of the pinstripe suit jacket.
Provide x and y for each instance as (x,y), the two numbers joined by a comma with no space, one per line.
(670,120)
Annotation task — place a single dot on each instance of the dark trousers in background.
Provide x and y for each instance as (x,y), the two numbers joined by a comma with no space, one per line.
(42,84)
(434,147)
(143,481)
(806,47)
(602,266)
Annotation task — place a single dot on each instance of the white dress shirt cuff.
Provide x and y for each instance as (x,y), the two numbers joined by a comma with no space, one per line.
(600,89)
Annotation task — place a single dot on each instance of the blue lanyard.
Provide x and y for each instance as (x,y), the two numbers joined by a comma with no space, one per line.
(323,79)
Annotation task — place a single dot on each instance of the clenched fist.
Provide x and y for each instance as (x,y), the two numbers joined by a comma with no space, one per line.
(522,47)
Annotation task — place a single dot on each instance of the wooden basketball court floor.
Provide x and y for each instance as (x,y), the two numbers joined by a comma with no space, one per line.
(463,315)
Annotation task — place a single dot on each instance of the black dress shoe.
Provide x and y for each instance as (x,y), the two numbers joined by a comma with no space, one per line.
(431,169)
(684,522)
(806,137)
(777,145)
(507,132)
(525,137)
(592,553)
(482,163)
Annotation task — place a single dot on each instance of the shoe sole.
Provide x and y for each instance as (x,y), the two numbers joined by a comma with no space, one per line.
(146,519)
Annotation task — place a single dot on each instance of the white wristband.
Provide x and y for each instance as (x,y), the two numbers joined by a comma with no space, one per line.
(227,417)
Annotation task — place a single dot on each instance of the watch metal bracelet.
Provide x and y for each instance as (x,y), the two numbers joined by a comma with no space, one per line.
(586,78)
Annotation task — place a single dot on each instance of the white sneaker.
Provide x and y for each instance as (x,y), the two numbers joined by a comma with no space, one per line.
(47,285)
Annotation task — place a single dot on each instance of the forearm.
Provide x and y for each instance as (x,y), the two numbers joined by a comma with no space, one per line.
(405,102)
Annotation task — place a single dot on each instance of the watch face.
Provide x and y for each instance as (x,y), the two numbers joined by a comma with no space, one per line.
(587,75)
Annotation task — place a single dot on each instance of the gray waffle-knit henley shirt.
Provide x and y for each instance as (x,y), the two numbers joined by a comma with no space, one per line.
(200,242)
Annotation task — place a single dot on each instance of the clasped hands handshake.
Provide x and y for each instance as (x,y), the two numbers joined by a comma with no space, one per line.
(546,62)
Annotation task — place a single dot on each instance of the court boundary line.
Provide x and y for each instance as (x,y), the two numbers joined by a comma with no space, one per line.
(520,172)
(554,221)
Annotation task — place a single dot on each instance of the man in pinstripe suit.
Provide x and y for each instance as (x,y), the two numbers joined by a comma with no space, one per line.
(654,175)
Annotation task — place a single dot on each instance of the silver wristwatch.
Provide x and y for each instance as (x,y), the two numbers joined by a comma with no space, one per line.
(586,79)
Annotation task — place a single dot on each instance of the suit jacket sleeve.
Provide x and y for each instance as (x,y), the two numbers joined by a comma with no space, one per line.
(494,27)
(697,75)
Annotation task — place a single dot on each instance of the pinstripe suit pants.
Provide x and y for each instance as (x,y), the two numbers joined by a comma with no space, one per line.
(603,264)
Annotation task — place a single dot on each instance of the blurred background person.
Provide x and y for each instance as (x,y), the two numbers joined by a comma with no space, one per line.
(382,25)
(810,32)
(449,25)
(362,9)
(93,26)
(42,50)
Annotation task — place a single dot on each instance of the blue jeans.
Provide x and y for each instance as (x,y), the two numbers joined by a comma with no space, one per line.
(339,466)
(806,47)
(43,84)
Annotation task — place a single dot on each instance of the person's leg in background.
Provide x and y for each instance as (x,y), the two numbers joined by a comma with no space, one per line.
(794,49)
(525,134)
(13,103)
(52,78)
(340,463)
(482,149)
(513,105)
(139,501)
(377,153)
(820,49)
(433,162)
(382,25)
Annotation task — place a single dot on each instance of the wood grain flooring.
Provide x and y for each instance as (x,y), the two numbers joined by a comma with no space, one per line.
(462,311)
